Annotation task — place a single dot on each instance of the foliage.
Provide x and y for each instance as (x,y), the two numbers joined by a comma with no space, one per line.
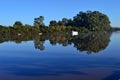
(94,21)
(83,22)
(53,23)
(17,25)
(39,20)
(88,42)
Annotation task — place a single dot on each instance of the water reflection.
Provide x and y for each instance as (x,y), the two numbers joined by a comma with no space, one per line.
(92,42)
(28,63)
(88,42)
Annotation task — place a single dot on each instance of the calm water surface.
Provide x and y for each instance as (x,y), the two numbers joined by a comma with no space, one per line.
(61,58)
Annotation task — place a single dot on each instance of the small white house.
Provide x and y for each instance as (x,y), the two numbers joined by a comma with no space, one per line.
(74,33)
(19,34)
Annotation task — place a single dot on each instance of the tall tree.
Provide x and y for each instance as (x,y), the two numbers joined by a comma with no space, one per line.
(92,20)
(39,21)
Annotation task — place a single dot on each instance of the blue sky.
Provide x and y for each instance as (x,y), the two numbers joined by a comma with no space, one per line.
(26,10)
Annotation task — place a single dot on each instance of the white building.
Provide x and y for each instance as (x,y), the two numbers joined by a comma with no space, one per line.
(74,33)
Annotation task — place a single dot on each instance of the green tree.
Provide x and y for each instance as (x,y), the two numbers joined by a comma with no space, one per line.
(94,21)
(36,26)
(64,21)
(39,21)
(17,25)
(53,23)
(26,28)
(69,22)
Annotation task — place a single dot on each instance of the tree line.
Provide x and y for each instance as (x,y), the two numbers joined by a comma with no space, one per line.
(82,22)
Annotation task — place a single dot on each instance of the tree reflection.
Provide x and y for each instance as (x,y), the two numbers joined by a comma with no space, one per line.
(92,43)
(88,42)
(39,43)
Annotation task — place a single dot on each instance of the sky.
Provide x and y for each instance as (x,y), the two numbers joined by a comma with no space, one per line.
(26,10)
